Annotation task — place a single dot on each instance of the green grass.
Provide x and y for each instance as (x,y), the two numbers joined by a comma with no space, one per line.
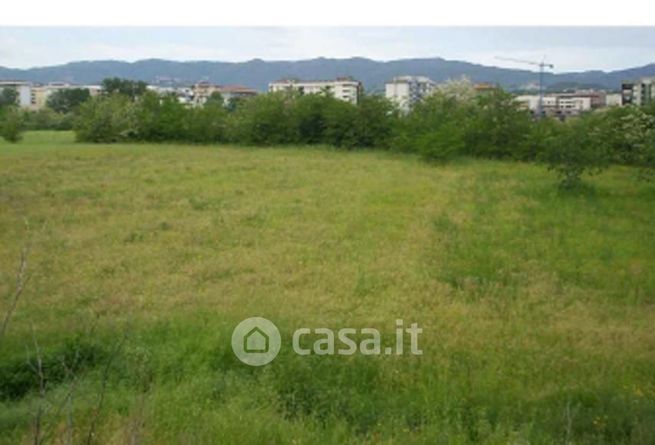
(537,305)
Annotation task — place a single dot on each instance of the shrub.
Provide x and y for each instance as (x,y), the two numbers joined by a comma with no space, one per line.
(626,130)
(207,124)
(576,149)
(539,134)
(308,118)
(11,124)
(68,100)
(339,119)
(159,118)
(374,121)
(441,144)
(124,87)
(497,126)
(435,128)
(263,120)
(106,119)
(47,119)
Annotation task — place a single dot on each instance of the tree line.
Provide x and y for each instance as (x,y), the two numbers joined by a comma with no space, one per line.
(453,122)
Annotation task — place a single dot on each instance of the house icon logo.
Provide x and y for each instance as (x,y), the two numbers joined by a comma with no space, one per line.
(256,341)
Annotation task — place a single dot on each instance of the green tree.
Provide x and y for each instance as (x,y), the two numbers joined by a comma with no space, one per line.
(126,87)
(496,127)
(8,96)
(106,119)
(340,130)
(215,98)
(308,118)
(207,124)
(160,118)
(539,133)
(375,121)
(68,100)
(11,124)
(440,115)
(263,120)
(48,119)
(626,131)
(577,148)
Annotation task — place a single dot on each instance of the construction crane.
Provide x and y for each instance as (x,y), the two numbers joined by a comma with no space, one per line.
(542,65)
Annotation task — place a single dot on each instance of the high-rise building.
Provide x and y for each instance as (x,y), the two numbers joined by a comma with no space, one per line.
(641,92)
(405,91)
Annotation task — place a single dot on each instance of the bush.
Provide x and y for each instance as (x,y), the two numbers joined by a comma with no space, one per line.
(106,119)
(308,118)
(47,119)
(263,120)
(539,134)
(11,124)
(441,144)
(339,119)
(435,128)
(454,121)
(207,124)
(68,100)
(497,126)
(626,130)
(576,149)
(159,119)
(374,122)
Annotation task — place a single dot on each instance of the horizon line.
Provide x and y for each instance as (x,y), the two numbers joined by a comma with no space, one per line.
(258,59)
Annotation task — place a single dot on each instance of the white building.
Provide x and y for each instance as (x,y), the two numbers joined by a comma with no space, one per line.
(24,90)
(613,100)
(34,97)
(405,91)
(202,91)
(343,88)
(573,104)
(557,104)
(641,92)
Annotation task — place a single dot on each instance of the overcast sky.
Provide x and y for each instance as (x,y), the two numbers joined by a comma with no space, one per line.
(569,49)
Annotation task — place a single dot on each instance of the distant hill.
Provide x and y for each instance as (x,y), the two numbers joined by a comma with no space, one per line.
(258,73)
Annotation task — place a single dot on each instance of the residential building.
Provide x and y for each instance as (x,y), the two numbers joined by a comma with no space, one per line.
(641,92)
(201,91)
(405,91)
(570,104)
(613,99)
(346,89)
(35,96)
(231,92)
(597,97)
(561,104)
(22,88)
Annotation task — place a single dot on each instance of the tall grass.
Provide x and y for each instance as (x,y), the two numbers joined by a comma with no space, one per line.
(537,306)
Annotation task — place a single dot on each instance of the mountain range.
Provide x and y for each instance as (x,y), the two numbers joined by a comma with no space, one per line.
(258,73)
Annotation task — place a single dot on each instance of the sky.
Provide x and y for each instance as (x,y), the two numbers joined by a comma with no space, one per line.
(568,48)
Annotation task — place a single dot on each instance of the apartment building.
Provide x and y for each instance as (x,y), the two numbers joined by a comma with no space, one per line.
(35,96)
(640,92)
(613,99)
(202,91)
(405,91)
(562,104)
(346,89)
(22,88)
(230,92)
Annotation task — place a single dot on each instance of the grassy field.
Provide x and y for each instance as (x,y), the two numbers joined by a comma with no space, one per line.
(537,307)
